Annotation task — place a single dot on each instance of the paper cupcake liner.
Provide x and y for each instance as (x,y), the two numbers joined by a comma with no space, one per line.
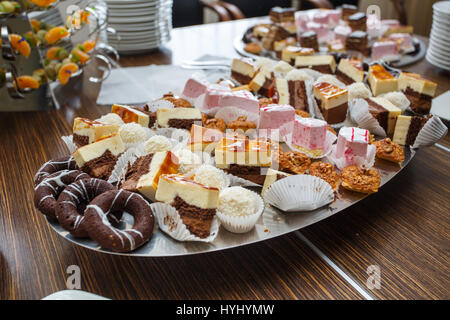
(121,166)
(433,131)
(329,140)
(362,162)
(169,221)
(242,224)
(299,193)
(179,135)
(359,113)
(68,140)
(229,114)
(404,105)
(312,73)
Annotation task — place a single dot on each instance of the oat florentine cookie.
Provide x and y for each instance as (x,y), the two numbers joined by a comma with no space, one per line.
(177,101)
(241,123)
(390,151)
(253,47)
(326,172)
(215,123)
(294,162)
(360,180)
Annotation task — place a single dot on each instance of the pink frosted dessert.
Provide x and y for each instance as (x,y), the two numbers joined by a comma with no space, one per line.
(341,32)
(300,21)
(352,142)
(320,29)
(242,99)
(404,40)
(386,50)
(309,136)
(213,94)
(390,22)
(320,17)
(276,117)
(194,87)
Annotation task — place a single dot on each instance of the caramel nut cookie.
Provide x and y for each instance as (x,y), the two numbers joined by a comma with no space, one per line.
(390,151)
(360,180)
(325,171)
(294,162)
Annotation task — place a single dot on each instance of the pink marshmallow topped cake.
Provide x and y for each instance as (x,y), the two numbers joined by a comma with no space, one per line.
(404,40)
(309,136)
(341,32)
(276,117)
(386,50)
(194,87)
(352,142)
(241,99)
(320,29)
(213,94)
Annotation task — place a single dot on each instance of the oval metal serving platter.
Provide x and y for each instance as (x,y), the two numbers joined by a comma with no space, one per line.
(272,223)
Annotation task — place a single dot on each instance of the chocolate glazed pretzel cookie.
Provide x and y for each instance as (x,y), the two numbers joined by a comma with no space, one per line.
(73,201)
(48,190)
(100,229)
(52,166)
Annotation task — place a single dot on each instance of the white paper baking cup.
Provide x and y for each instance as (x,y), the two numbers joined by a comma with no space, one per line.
(170,222)
(68,140)
(229,114)
(359,113)
(242,224)
(299,193)
(362,162)
(121,166)
(433,131)
(179,135)
(329,140)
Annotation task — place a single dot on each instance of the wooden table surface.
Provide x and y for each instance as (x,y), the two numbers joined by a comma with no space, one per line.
(402,230)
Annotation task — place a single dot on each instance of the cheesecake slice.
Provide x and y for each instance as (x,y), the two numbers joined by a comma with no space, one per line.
(204,139)
(143,175)
(271,177)
(278,46)
(131,114)
(324,64)
(180,118)
(418,90)
(262,82)
(350,70)
(407,128)
(380,80)
(332,101)
(86,131)
(196,203)
(99,158)
(385,112)
(289,53)
(243,70)
(292,89)
(244,158)
(278,14)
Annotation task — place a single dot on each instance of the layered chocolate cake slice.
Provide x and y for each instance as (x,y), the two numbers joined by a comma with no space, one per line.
(143,175)
(380,80)
(385,113)
(358,41)
(244,158)
(357,21)
(180,118)
(278,14)
(308,39)
(292,89)
(262,82)
(86,131)
(99,158)
(196,203)
(332,102)
(418,90)
(350,70)
(348,10)
(323,64)
(407,128)
(243,70)
(133,114)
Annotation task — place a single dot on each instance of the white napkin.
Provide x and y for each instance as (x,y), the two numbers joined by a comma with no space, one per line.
(139,85)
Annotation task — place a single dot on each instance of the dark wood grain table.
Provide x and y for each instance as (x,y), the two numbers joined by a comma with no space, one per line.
(403,230)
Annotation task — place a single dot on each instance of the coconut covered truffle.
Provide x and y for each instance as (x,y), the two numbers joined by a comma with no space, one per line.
(295,75)
(358,90)
(330,79)
(187,160)
(264,63)
(282,67)
(157,144)
(132,133)
(111,118)
(211,176)
(236,201)
(398,99)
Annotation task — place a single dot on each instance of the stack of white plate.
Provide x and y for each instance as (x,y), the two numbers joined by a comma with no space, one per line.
(141,25)
(438,52)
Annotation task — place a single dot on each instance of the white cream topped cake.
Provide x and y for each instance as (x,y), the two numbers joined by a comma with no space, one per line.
(180,118)
(86,131)
(380,80)
(130,114)
(332,101)
(350,70)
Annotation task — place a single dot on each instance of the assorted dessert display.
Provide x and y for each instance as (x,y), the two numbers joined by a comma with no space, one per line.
(299,137)
(342,32)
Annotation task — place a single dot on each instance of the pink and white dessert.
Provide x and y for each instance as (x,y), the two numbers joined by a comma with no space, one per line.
(276,117)
(320,29)
(352,142)
(309,136)
(195,87)
(404,40)
(386,50)
(320,17)
(241,99)
(333,17)
(213,94)
(390,23)
(341,32)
